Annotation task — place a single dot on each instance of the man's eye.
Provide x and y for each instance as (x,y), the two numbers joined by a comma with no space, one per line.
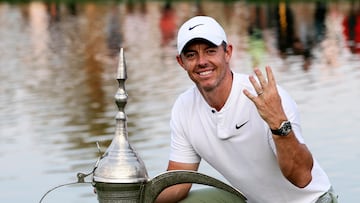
(211,51)
(189,55)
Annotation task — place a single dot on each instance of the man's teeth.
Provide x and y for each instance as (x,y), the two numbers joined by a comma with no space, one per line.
(205,73)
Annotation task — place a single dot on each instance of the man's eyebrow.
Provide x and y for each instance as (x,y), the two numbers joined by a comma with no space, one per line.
(209,45)
(187,50)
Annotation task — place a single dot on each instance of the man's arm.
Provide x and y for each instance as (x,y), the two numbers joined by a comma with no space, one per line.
(177,192)
(295,160)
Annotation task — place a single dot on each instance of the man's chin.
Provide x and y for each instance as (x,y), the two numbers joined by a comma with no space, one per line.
(207,87)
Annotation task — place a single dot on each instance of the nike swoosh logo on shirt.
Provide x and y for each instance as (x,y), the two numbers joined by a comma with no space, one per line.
(239,126)
(190,28)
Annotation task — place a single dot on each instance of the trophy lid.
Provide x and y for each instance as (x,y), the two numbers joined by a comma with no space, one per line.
(120,163)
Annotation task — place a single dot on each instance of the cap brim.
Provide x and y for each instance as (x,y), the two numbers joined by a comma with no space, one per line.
(196,40)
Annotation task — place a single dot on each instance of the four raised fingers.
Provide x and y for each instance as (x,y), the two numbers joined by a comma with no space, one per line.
(262,84)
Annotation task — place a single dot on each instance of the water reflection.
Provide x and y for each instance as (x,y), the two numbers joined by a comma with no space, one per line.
(57,79)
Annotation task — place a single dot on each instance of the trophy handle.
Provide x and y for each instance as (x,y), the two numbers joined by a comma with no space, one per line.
(154,187)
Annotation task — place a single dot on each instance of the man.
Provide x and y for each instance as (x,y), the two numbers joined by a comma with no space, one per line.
(248,129)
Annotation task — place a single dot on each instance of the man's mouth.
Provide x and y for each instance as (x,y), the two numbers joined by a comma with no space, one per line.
(206,73)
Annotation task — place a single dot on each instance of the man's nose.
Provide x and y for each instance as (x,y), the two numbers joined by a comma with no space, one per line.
(202,60)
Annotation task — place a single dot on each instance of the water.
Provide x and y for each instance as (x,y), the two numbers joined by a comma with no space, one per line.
(57,84)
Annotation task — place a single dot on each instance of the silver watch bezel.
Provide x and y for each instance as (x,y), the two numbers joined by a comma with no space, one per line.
(284,129)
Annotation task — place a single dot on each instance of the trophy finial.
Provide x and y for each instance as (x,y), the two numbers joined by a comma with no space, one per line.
(120,163)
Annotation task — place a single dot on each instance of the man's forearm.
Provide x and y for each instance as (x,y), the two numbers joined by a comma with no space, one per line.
(173,194)
(294,159)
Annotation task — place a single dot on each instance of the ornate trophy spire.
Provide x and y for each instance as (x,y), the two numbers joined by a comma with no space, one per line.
(120,163)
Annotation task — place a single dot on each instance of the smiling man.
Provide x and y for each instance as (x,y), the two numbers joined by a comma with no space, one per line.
(247,128)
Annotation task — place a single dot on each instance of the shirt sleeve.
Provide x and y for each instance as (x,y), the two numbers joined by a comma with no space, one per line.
(181,149)
(292,113)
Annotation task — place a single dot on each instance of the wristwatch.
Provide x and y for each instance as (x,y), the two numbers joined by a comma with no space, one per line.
(283,130)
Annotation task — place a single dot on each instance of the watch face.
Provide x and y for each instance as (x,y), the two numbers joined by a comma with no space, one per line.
(284,129)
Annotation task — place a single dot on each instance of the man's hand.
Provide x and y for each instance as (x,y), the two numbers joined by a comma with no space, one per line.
(267,100)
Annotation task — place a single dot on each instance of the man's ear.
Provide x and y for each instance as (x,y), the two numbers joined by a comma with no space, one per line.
(228,53)
(180,61)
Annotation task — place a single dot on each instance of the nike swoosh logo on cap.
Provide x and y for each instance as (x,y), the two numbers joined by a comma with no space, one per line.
(190,28)
(239,126)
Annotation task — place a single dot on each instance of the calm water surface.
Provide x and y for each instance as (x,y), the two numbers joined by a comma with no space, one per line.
(57,84)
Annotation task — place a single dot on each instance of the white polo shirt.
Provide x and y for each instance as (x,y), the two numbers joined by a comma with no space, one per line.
(238,144)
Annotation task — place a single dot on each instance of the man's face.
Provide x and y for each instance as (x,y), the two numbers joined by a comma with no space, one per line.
(205,63)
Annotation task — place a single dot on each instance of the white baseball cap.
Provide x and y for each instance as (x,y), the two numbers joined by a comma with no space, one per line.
(200,27)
